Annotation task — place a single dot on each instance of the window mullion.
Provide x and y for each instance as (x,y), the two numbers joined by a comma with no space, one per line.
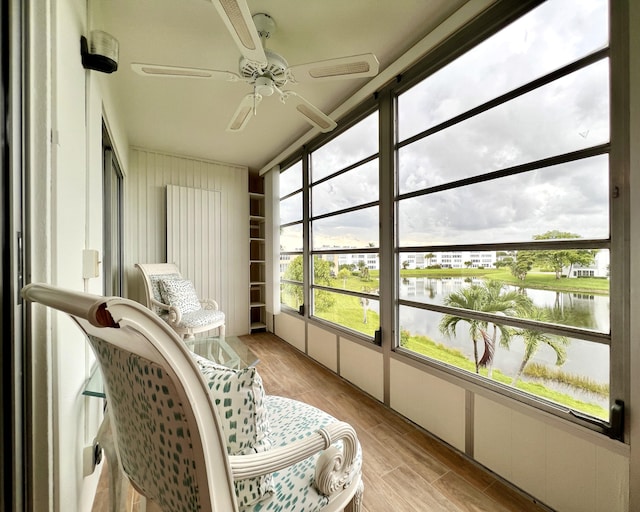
(306,234)
(387,233)
(620,206)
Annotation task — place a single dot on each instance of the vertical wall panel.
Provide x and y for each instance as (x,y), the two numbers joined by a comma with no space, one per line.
(292,330)
(431,402)
(323,346)
(196,221)
(146,228)
(362,366)
(557,463)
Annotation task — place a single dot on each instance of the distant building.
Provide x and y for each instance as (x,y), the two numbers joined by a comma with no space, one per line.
(452,259)
(408,260)
(599,267)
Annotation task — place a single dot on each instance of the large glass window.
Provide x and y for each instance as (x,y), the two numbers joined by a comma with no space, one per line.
(490,198)
(535,45)
(503,209)
(291,237)
(344,230)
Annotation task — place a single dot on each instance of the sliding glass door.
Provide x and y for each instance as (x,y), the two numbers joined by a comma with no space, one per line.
(113,246)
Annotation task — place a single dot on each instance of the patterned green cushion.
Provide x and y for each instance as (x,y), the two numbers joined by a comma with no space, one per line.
(239,397)
(294,491)
(158,453)
(156,449)
(181,294)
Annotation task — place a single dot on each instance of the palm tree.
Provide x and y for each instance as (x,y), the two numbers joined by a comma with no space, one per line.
(488,297)
(501,301)
(467,298)
(429,257)
(533,339)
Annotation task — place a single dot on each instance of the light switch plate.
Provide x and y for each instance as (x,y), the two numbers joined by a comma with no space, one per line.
(90,263)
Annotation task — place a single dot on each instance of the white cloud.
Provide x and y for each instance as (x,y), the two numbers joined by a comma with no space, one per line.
(566,115)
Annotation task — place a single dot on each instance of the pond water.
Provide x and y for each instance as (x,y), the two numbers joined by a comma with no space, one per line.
(574,309)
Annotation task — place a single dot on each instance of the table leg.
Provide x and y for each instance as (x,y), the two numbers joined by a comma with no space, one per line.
(118,482)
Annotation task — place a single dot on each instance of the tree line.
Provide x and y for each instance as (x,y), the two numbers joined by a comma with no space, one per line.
(521,262)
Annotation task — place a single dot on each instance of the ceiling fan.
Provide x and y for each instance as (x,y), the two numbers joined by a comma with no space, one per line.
(266,70)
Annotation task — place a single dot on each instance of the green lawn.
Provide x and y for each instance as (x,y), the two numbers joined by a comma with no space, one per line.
(425,346)
(348,312)
(539,280)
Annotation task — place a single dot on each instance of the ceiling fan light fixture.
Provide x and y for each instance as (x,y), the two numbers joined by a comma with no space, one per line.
(264,86)
(268,71)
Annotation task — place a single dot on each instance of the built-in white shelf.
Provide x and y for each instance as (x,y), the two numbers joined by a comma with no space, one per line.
(257,261)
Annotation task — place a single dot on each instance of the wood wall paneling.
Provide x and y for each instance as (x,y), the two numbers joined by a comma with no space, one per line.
(149,175)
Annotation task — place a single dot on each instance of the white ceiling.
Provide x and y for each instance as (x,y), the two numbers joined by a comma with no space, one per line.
(189,116)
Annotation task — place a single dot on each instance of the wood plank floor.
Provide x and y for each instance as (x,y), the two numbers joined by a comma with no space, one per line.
(404,468)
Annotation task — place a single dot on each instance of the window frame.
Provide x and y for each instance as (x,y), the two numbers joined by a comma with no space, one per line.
(494,19)
(286,166)
(614,243)
(366,110)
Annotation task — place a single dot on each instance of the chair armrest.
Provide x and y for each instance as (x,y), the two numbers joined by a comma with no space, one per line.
(159,304)
(333,469)
(209,304)
(174,315)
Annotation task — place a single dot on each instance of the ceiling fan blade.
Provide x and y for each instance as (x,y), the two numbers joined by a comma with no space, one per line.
(158,70)
(309,111)
(355,66)
(244,112)
(236,16)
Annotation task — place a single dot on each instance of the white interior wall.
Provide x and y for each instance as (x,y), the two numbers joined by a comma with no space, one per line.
(149,174)
(292,330)
(323,347)
(64,158)
(546,458)
(362,366)
(433,403)
(201,226)
(72,179)
(272,245)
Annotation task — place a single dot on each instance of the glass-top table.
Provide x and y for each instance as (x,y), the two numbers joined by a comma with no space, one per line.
(229,351)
